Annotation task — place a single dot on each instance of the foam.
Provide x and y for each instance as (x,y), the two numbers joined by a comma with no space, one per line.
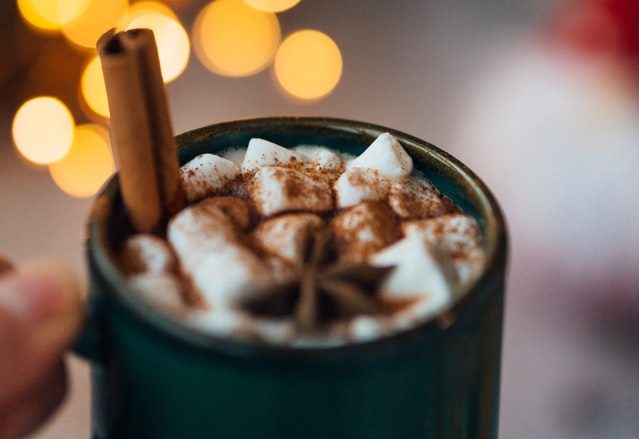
(221,322)
(326,159)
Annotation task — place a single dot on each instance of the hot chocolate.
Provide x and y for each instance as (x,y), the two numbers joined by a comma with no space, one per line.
(307,246)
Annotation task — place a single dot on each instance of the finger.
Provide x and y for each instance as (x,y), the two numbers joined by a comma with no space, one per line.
(5,264)
(39,313)
(21,416)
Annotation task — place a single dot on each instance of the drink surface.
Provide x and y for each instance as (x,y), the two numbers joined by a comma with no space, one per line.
(307,246)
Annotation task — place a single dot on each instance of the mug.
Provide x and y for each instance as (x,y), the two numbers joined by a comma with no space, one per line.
(153,377)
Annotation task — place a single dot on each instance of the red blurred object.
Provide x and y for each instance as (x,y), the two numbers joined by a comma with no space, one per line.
(601,27)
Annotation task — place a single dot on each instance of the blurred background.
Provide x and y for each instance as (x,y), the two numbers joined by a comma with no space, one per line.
(540,97)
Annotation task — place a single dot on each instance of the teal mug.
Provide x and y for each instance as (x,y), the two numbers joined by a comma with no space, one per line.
(155,378)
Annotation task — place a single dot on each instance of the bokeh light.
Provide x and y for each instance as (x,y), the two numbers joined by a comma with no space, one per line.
(93,88)
(172,40)
(87,165)
(139,9)
(43,130)
(308,64)
(233,39)
(98,17)
(51,14)
(272,5)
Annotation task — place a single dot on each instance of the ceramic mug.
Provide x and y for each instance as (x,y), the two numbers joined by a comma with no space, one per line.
(155,378)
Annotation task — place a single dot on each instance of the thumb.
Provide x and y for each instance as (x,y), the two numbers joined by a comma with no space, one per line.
(39,314)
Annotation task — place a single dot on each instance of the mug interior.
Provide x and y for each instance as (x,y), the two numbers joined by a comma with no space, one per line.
(108,223)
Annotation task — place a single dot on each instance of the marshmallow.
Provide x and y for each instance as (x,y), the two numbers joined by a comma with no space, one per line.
(229,275)
(236,155)
(147,253)
(413,197)
(385,155)
(207,174)
(364,230)
(326,159)
(161,290)
(275,190)
(261,153)
(287,236)
(419,271)
(420,311)
(457,236)
(365,328)
(276,331)
(199,230)
(235,209)
(358,184)
(220,322)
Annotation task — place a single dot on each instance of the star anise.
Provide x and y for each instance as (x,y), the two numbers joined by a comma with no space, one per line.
(322,290)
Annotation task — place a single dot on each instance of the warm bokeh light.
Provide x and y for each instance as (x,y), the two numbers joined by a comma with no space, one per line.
(87,165)
(139,9)
(43,130)
(97,18)
(272,5)
(233,39)
(308,64)
(93,88)
(51,14)
(172,40)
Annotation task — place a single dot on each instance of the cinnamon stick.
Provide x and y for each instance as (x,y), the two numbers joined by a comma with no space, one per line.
(141,128)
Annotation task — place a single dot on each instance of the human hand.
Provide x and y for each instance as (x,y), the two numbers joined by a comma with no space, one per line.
(39,314)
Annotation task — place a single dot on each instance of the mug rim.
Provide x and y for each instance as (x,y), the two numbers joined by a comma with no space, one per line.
(171,327)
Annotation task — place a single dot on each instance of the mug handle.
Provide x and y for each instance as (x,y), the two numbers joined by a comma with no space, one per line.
(89,343)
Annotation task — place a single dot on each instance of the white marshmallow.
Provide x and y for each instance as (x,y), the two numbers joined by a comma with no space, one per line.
(207,174)
(199,230)
(419,271)
(229,275)
(276,331)
(221,322)
(147,253)
(324,158)
(286,235)
(221,269)
(414,197)
(358,184)
(161,290)
(385,155)
(363,230)
(261,153)
(275,190)
(457,236)
(365,328)
(419,312)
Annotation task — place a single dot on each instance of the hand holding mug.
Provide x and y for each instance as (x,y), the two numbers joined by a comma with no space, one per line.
(39,315)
